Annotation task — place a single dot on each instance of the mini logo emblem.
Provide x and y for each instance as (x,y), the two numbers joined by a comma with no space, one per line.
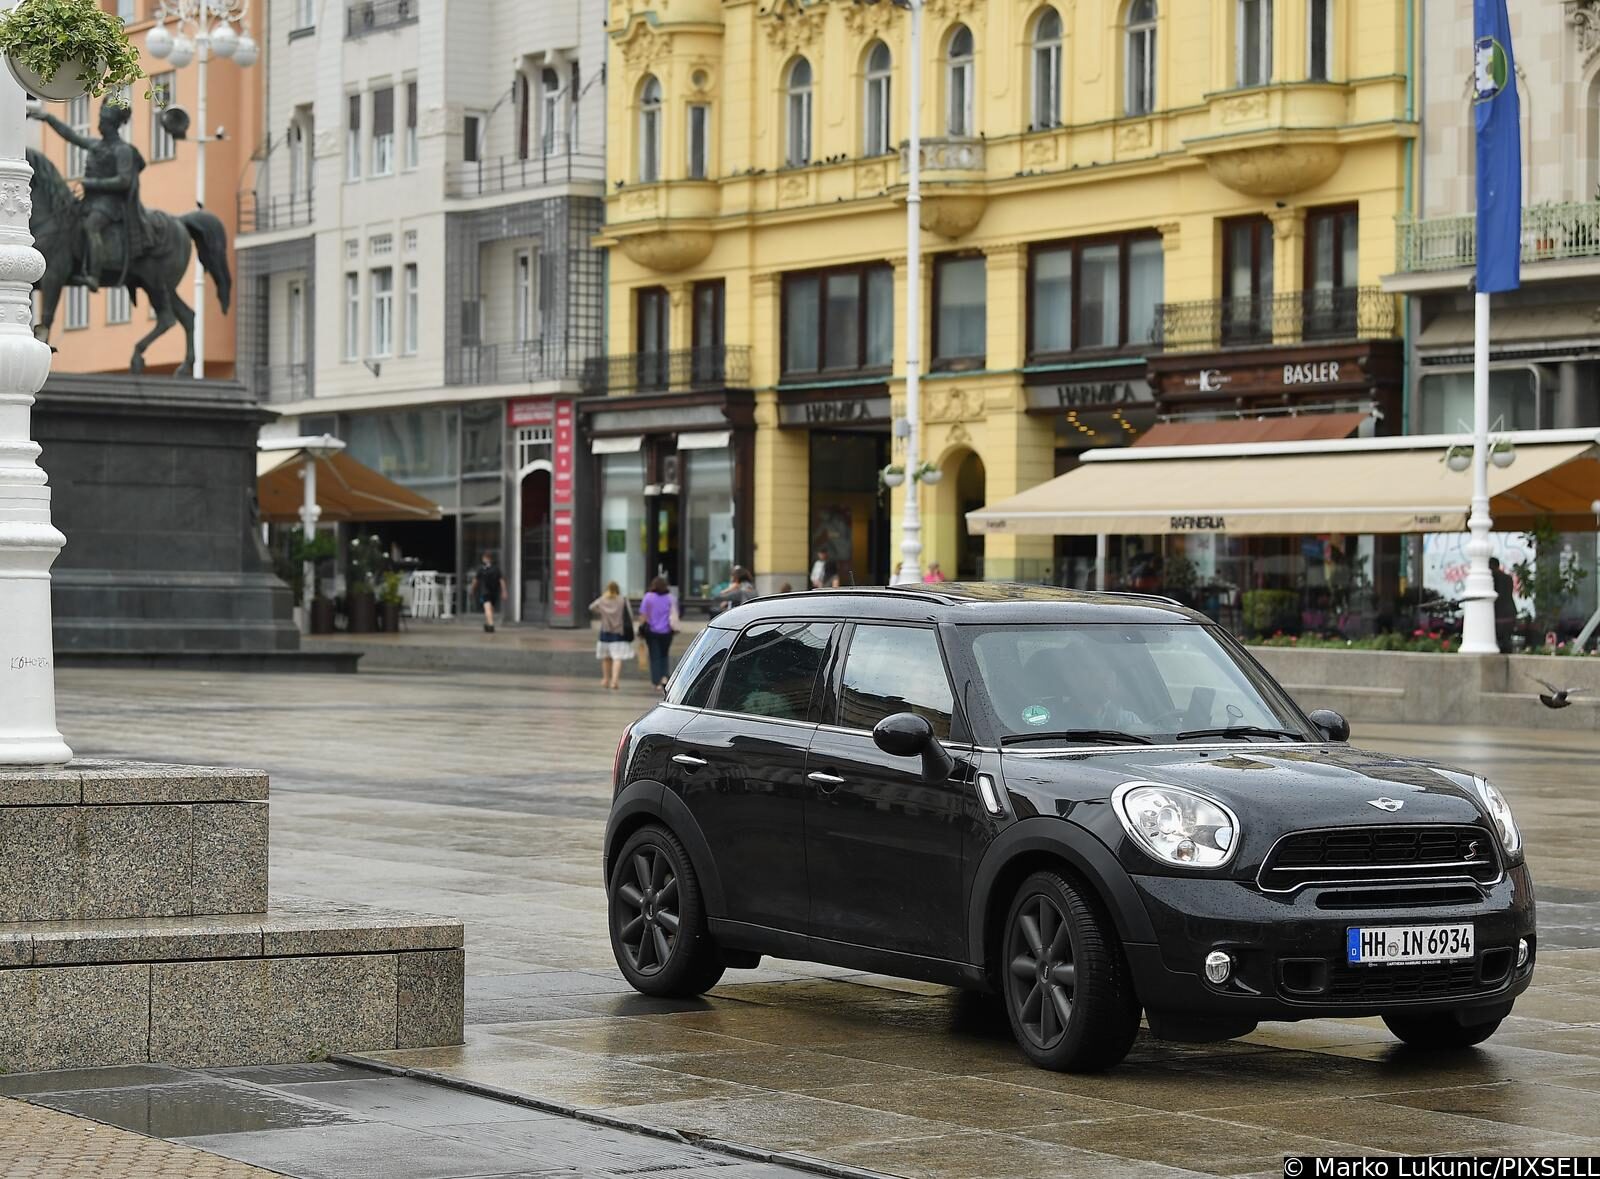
(1386,804)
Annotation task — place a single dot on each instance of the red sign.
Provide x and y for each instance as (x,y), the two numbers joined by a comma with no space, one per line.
(566,438)
(561,563)
(530,411)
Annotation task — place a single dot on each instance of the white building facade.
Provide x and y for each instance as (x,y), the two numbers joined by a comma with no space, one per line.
(415,260)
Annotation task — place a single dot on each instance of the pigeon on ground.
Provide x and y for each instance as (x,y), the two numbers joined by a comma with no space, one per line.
(1555,697)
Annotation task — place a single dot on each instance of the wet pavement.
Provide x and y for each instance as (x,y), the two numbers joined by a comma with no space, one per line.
(484,798)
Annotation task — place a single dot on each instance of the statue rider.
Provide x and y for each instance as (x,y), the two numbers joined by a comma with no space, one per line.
(113,216)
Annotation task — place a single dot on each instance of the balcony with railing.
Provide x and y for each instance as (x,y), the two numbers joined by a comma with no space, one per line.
(374,16)
(684,370)
(258,214)
(275,383)
(1295,317)
(1550,232)
(474,178)
(512,362)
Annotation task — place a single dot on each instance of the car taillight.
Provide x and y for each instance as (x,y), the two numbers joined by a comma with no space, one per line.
(619,762)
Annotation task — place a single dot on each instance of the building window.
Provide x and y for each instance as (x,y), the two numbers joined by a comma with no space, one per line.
(77,308)
(119,307)
(707,336)
(550,136)
(960,302)
(654,336)
(383,131)
(413,326)
(352,137)
(1332,271)
(650,131)
(305,14)
(78,119)
(383,311)
(299,173)
(163,92)
(524,116)
(1097,293)
(297,322)
(1254,48)
(1047,70)
(699,141)
(877,136)
(522,295)
(1247,263)
(1319,39)
(1141,79)
(959,118)
(127,15)
(411,126)
(838,321)
(797,151)
(471,138)
(352,317)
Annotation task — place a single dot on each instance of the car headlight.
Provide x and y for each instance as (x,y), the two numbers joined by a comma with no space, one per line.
(1175,825)
(1500,811)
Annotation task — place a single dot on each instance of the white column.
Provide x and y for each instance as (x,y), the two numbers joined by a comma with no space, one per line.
(28,541)
(1477,632)
(310,510)
(1100,553)
(911,521)
(202,50)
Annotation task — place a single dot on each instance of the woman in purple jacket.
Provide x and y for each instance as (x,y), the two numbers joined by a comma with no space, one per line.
(656,624)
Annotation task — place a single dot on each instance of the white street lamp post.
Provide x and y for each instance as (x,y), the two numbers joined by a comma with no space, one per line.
(1477,623)
(204,27)
(29,543)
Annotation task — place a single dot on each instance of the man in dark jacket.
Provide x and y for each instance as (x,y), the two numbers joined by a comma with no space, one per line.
(1505,604)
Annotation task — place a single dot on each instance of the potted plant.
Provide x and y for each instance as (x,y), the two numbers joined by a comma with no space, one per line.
(1502,453)
(928,473)
(1458,458)
(361,605)
(389,601)
(892,476)
(59,49)
(320,548)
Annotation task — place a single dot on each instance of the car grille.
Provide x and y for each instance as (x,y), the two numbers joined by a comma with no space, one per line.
(1379,855)
(1348,984)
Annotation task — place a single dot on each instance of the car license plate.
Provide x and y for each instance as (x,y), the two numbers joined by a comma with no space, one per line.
(1376,946)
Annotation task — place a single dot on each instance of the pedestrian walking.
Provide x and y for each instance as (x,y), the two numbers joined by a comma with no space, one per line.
(657,622)
(934,575)
(615,645)
(489,589)
(1505,604)
(824,570)
(741,589)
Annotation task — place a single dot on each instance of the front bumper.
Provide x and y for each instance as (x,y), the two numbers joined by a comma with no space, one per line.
(1289,952)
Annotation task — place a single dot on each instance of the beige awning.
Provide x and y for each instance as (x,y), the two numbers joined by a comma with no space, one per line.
(346,491)
(1303,488)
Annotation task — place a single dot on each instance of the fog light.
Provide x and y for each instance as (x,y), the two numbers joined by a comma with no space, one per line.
(1522,952)
(1218,967)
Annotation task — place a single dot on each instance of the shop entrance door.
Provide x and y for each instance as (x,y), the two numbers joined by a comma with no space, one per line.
(536,548)
(849,513)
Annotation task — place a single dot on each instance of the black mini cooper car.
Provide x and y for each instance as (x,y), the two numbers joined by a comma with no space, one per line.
(1092,804)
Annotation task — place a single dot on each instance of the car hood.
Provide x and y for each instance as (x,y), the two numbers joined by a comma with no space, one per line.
(1272,790)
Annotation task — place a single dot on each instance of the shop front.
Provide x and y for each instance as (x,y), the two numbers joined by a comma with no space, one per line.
(671,484)
(1341,378)
(848,435)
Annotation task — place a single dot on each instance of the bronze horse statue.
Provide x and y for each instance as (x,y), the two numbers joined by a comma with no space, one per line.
(150,252)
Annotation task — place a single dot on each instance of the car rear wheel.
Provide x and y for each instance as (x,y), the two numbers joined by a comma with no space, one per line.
(658,919)
(1439,1031)
(1067,989)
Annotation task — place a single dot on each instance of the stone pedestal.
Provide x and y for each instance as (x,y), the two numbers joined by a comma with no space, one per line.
(135,926)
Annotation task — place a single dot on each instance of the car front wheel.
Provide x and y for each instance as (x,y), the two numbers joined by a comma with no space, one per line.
(1439,1031)
(1067,988)
(658,919)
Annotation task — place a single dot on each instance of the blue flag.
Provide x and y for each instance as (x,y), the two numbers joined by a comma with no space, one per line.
(1499,126)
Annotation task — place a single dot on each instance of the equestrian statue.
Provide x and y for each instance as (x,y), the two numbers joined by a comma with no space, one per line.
(108,238)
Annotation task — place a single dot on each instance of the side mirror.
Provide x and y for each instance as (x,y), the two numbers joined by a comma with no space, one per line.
(1333,726)
(905,734)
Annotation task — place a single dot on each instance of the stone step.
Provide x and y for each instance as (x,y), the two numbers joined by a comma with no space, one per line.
(302,980)
(106,839)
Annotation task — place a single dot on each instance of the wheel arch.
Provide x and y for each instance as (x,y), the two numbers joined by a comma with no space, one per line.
(1043,843)
(647,802)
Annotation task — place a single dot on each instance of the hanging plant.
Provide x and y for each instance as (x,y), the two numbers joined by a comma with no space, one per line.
(892,476)
(1502,453)
(59,49)
(1458,458)
(928,473)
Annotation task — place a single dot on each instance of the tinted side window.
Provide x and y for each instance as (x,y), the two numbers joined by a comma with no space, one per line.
(894,669)
(697,671)
(773,668)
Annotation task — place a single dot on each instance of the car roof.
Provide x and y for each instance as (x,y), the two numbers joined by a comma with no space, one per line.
(968,603)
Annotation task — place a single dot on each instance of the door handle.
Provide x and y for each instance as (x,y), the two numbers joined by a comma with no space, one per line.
(689,759)
(828,782)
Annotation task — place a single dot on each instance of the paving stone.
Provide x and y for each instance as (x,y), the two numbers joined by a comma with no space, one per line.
(365,1150)
(38,1143)
(108,781)
(229,870)
(38,863)
(72,1079)
(429,1000)
(134,861)
(194,1105)
(407,1102)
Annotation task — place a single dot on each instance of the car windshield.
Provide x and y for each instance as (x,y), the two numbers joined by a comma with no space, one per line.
(1092,683)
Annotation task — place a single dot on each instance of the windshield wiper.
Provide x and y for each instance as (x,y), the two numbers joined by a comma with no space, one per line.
(1093,736)
(1240,731)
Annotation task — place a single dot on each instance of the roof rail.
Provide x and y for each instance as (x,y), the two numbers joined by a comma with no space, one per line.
(1135,594)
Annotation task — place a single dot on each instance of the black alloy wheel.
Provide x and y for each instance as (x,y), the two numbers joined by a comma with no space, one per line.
(1066,983)
(658,919)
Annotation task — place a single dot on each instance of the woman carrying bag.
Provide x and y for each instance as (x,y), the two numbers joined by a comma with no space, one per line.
(615,645)
(657,622)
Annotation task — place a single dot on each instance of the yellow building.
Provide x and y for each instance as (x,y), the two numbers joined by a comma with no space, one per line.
(1134,210)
